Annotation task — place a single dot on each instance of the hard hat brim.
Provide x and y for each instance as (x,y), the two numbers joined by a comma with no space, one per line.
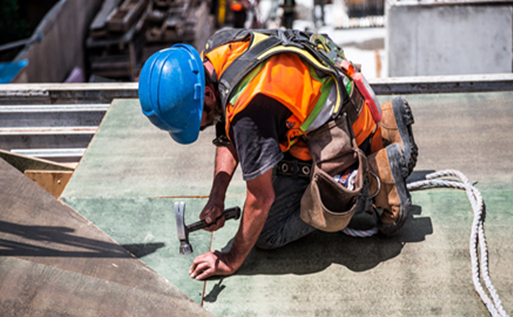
(171,91)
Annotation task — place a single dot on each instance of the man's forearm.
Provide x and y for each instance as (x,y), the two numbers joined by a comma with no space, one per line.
(260,196)
(259,199)
(225,165)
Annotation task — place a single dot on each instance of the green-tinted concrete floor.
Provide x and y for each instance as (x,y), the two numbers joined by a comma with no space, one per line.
(133,173)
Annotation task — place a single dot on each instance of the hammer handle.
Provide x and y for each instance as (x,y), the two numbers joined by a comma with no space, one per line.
(232,213)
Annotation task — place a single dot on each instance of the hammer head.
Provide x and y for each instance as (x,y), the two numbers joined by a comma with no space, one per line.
(181,229)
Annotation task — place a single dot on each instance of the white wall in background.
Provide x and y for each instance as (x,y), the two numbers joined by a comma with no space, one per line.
(449,39)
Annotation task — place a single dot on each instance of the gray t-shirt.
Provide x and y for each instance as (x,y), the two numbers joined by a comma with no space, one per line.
(256,132)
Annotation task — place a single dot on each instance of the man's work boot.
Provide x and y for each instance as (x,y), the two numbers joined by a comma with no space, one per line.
(393,197)
(396,121)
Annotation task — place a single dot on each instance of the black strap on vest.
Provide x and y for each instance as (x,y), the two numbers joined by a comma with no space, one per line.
(242,66)
(224,37)
(248,61)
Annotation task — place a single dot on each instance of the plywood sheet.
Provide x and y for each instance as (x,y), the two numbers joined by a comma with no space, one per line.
(132,167)
(53,182)
(423,271)
(129,157)
(147,227)
(468,132)
(22,162)
(50,252)
(31,289)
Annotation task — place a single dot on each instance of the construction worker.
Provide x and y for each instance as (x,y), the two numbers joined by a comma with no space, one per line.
(183,93)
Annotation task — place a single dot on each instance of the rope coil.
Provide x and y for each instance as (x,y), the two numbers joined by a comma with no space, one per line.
(477,235)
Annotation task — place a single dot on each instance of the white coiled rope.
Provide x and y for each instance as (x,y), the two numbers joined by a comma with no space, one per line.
(477,236)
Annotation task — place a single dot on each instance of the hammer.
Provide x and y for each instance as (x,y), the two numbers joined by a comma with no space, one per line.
(183,230)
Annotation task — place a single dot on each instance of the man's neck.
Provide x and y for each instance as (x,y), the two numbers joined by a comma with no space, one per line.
(210,68)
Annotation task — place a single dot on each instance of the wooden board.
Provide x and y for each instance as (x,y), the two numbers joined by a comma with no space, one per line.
(30,289)
(55,262)
(53,182)
(22,162)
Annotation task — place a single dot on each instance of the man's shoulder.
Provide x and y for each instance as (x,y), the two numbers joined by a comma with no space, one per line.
(225,37)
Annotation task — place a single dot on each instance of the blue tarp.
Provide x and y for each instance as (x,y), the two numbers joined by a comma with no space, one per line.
(8,71)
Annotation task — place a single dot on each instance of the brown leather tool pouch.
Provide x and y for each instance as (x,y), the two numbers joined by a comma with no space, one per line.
(326,204)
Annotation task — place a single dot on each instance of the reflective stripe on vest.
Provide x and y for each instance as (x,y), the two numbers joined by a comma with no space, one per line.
(313,62)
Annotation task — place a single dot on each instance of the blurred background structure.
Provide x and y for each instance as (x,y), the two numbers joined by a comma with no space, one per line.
(109,40)
(449,37)
(74,41)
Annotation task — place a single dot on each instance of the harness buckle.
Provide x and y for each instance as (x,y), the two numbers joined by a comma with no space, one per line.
(293,168)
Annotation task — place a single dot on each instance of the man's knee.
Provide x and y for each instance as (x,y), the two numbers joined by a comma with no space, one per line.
(265,242)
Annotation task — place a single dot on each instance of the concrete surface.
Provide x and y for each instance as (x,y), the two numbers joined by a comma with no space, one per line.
(132,173)
(450,39)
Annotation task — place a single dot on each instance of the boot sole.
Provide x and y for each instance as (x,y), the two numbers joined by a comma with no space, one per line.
(397,167)
(404,120)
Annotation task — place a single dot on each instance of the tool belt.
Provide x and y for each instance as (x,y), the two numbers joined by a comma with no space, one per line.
(294,168)
(326,204)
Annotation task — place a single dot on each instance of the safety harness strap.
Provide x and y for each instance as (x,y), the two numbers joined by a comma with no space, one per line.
(276,41)
(293,168)
(225,36)
(242,66)
(267,43)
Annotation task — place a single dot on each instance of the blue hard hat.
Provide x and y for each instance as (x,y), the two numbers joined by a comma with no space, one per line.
(171,91)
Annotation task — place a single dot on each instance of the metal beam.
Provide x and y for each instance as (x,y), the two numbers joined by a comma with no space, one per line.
(68,155)
(45,141)
(53,108)
(48,131)
(442,84)
(95,93)
(46,137)
(89,93)
(447,2)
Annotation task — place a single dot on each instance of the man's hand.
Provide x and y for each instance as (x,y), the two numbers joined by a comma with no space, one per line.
(259,198)
(212,211)
(226,162)
(212,263)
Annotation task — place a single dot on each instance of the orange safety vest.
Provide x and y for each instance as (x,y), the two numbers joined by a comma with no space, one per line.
(287,79)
